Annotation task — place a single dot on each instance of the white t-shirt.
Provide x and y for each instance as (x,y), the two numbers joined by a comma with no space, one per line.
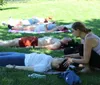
(40,62)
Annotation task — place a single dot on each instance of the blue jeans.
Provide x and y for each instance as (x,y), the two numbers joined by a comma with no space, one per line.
(13,58)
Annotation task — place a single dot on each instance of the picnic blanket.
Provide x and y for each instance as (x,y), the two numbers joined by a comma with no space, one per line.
(19,31)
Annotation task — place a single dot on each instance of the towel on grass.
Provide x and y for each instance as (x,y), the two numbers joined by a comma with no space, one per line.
(18,31)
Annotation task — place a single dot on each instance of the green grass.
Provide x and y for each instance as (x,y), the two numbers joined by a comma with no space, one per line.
(63,11)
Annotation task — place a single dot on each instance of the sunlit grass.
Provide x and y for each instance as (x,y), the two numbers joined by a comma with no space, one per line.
(63,12)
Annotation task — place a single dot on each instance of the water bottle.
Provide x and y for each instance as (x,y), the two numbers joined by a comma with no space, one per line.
(35,75)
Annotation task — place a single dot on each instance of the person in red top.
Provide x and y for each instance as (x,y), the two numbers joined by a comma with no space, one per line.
(28,41)
(33,41)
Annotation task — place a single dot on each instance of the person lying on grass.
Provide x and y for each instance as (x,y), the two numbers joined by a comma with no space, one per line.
(27,22)
(43,42)
(49,27)
(89,53)
(31,61)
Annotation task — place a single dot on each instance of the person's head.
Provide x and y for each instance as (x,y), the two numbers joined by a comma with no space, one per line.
(57,64)
(65,40)
(79,28)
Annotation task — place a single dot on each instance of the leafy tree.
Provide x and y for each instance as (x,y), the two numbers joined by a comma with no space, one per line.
(1,2)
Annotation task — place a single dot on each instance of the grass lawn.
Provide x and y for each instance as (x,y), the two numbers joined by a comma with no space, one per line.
(63,12)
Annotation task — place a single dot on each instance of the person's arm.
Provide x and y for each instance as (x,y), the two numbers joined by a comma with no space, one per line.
(46,27)
(29,68)
(87,51)
(51,46)
(86,54)
(76,55)
(52,30)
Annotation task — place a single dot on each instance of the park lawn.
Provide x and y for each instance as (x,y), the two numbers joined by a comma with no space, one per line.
(63,12)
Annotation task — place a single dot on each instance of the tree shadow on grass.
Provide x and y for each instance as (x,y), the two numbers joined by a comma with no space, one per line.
(8,8)
(61,22)
(94,25)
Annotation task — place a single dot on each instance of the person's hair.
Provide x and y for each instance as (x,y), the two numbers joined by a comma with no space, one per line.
(61,66)
(64,29)
(81,27)
(71,43)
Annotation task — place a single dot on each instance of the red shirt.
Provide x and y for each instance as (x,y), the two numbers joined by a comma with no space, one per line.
(28,41)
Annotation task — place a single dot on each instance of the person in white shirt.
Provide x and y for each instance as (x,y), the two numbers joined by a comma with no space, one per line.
(32,61)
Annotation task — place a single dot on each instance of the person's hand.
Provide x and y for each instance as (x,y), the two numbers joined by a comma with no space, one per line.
(68,62)
(9,66)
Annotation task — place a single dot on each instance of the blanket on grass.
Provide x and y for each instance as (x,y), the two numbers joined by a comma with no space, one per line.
(18,31)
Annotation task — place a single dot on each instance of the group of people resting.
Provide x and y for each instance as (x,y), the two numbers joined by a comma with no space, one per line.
(88,53)
(36,25)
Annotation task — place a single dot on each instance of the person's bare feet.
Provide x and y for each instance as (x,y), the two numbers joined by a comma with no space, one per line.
(85,70)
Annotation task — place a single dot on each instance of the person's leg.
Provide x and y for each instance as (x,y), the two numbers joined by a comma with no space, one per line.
(29,28)
(12,58)
(6,53)
(14,22)
(94,59)
(86,68)
(9,43)
(17,27)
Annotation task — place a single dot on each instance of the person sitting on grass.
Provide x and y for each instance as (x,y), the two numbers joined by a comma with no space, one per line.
(43,42)
(89,53)
(30,61)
